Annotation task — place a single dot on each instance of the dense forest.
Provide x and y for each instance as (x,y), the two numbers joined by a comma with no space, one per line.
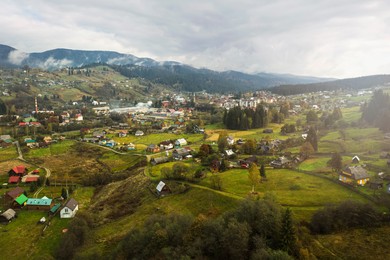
(186,78)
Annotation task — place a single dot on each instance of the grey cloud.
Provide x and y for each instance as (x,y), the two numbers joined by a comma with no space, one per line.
(322,38)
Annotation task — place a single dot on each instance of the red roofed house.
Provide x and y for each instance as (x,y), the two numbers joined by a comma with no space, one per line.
(18,171)
(30,178)
(13,179)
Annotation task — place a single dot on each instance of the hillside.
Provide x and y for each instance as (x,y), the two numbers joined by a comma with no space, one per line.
(169,73)
(346,84)
(57,88)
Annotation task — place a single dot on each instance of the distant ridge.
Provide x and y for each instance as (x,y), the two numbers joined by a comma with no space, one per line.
(171,73)
(350,83)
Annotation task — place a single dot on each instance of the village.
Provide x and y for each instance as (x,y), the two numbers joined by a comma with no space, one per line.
(60,162)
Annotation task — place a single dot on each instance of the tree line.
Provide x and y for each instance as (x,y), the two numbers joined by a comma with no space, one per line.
(377,111)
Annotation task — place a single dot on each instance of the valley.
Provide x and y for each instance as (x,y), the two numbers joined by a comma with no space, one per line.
(177,158)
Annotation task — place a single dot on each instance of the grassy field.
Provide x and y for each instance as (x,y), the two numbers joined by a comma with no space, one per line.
(301,192)
(54,149)
(8,153)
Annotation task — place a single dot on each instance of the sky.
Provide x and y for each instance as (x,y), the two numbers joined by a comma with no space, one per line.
(324,38)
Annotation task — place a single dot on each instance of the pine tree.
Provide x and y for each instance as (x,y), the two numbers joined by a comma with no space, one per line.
(288,234)
(312,138)
(262,172)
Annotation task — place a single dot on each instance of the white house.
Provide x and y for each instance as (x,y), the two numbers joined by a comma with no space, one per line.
(70,209)
(180,142)
(139,133)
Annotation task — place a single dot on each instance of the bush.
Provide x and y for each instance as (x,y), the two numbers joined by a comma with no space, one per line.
(348,214)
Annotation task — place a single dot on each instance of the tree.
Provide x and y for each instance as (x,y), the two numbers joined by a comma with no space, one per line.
(64,194)
(222,141)
(262,172)
(311,116)
(336,162)
(288,234)
(216,181)
(312,138)
(307,149)
(253,175)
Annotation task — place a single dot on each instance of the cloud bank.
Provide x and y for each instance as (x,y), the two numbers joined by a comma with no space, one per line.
(329,38)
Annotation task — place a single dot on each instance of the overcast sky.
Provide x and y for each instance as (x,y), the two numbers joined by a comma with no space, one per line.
(329,38)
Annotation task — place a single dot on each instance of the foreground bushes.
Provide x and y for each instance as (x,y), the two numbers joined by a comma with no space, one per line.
(256,230)
(348,214)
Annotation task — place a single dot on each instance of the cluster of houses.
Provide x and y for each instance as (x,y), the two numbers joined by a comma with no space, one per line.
(16,199)
(20,174)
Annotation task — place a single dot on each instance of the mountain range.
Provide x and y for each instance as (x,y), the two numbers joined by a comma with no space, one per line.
(183,77)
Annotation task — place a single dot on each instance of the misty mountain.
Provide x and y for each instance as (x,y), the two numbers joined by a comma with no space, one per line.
(170,73)
(351,83)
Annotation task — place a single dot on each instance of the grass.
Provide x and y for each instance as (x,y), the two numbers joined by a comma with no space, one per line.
(318,164)
(303,193)
(118,162)
(351,114)
(54,149)
(157,138)
(25,228)
(8,153)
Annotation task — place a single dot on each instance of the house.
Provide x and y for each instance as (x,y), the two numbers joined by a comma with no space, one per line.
(152,148)
(70,208)
(13,194)
(229,153)
(130,147)
(39,204)
(159,160)
(230,140)
(355,159)
(110,143)
(281,162)
(122,133)
(354,175)
(181,153)
(78,117)
(139,133)
(19,170)
(21,200)
(99,134)
(180,142)
(30,178)
(31,143)
(7,216)
(166,145)
(47,139)
(54,209)
(13,179)
(162,189)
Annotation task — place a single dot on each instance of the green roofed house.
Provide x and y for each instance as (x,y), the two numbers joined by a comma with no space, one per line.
(21,200)
(39,204)
(55,208)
